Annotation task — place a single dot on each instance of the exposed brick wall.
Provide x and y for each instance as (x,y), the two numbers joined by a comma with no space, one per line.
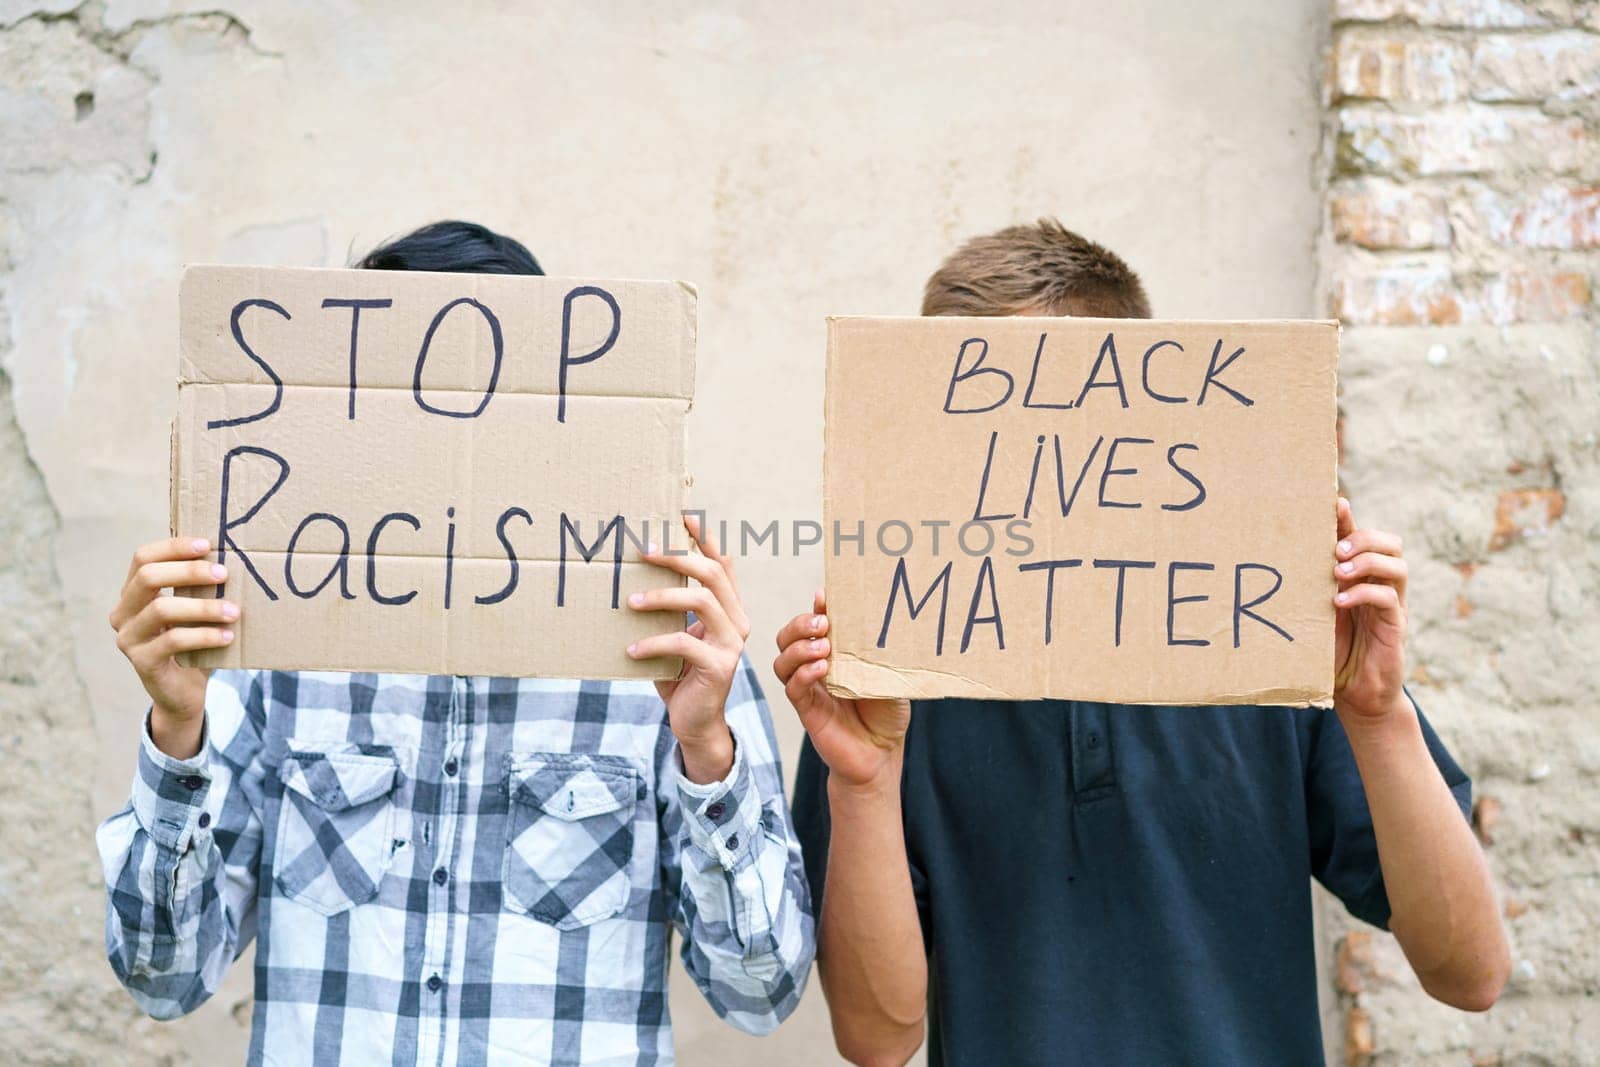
(1460,251)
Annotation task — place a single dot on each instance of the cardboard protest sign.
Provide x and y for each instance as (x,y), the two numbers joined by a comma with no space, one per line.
(433,473)
(1131,511)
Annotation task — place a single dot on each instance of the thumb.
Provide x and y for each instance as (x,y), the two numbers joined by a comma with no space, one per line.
(808,693)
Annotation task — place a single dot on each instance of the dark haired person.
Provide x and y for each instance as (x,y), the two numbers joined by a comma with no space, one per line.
(452,870)
(1054,882)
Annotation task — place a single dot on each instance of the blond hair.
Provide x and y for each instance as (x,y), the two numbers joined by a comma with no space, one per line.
(1042,268)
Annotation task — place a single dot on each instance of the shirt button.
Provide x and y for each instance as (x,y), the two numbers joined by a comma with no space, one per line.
(451,766)
(192,782)
(716,810)
(733,842)
(205,819)
(434,983)
(440,876)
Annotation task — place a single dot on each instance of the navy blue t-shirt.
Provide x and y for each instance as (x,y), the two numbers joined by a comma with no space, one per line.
(1109,884)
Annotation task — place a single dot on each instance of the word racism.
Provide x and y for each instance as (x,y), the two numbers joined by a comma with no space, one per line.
(1168,488)
(431,472)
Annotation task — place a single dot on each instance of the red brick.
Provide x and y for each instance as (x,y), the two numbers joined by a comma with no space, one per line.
(1431,296)
(1358,1045)
(1525,296)
(1398,296)
(1485,817)
(1367,67)
(1551,66)
(1522,513)
(1474,139)
(1353,961)
(1473,14)
(1555,216)
(1390,216)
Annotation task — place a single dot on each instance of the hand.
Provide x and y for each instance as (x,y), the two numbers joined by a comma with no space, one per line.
(1370,628)
(859,740)
(710,648)
(151,628)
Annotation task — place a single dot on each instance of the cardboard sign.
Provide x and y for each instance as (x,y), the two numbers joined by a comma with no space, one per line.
(1129,511)
(433,473)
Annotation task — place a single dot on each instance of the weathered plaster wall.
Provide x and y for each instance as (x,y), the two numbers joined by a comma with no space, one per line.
(794,162)
(1461,251)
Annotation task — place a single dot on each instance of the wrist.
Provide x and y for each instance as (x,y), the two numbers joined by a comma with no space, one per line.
(1379,727)
(708,756)
(177,735)
(881,787)
(1395,708)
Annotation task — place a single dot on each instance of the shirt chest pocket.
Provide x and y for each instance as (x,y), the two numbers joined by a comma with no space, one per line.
(336,824)
(569,836)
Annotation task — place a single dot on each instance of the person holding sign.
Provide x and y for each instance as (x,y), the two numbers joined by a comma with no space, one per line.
(1052,881)
(454,870)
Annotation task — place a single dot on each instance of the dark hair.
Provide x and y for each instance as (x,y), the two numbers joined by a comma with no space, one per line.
(456,246)
(1042,269)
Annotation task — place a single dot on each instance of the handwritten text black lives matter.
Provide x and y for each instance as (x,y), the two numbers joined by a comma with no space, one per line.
(1116,472)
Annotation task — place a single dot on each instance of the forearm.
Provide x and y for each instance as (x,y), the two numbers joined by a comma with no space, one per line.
(748,937)
(873,964)
(169,937)
(748,941)
(1442,906)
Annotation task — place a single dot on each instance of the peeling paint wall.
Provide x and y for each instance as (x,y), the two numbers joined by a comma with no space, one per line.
(792,162)
(1462,242)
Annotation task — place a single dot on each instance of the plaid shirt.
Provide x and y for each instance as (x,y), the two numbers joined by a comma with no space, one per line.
(450,870)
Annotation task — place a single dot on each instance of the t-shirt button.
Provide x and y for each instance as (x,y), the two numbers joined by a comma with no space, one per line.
(450,766)
(716,810)
(440,876)
(205,819)
(192,782)
(733,842)
(434,983)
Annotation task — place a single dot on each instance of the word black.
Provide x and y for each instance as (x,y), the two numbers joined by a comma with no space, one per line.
(986,388)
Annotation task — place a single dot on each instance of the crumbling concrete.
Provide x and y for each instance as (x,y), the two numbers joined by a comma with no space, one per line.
(1460,252)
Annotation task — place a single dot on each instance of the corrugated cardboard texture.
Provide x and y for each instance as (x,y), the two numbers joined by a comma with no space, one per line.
(967,427)
(390,511)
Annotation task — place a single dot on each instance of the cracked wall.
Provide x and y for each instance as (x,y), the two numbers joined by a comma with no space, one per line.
(1461,249)
(794,165)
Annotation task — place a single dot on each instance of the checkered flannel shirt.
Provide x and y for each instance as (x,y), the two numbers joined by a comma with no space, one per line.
(451,870)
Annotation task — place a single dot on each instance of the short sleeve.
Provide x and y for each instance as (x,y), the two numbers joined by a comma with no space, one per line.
(812,822)
(1344,847)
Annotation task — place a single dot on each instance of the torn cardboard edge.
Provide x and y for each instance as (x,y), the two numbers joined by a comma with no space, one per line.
(855,678)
